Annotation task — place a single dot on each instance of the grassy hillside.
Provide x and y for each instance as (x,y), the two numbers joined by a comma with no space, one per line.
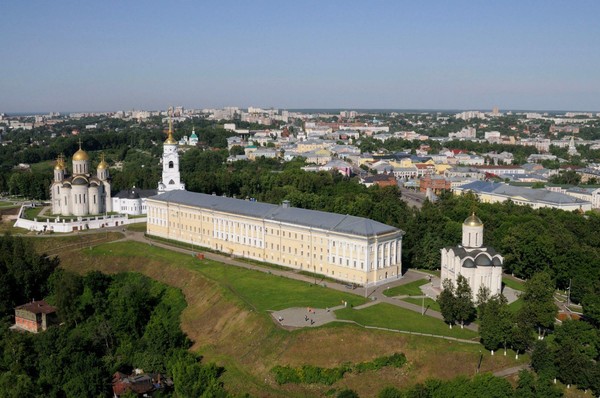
(227,319)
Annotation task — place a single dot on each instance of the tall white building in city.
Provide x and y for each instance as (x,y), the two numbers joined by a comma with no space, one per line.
(171,179)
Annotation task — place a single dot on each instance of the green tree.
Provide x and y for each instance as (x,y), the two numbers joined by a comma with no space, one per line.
(464,307)
(67,287)
(496,322)
(543,360)
(390,392)
(447,302)
(538,302)
(236,150)
(347,393)
(591,308)
(191,379)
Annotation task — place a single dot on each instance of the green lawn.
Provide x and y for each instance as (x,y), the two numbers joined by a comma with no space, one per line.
(429,303)
(262,291)
(137,227)
(392,317)
(269,292)
(410,289)
(513,284)
(515,306)
(32,212)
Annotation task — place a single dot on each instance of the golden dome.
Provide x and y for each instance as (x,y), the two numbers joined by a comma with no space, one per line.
(60,163)
(102,165)
(473,221)
(170,139)
(80,154)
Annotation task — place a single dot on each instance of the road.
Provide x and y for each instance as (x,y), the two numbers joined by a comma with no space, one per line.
(413,198)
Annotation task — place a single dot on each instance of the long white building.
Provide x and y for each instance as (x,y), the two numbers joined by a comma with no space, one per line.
(347,248)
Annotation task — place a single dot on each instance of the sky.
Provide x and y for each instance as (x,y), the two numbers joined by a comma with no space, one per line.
(122,55)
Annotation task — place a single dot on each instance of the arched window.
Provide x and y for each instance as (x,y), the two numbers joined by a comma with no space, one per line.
(171,164)
(171,182)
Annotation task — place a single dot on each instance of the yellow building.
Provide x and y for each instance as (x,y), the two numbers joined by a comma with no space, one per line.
(351,249)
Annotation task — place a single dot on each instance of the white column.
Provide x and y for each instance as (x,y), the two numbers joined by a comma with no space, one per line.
(376,255)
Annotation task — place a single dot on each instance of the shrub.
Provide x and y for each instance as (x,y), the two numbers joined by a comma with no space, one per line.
(310,374)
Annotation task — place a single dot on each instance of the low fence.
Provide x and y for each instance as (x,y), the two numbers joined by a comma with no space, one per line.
(70,225)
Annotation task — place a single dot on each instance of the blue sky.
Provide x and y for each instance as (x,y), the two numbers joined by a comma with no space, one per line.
(120,55)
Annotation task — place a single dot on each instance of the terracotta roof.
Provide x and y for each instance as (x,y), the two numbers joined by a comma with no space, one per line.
(37,307)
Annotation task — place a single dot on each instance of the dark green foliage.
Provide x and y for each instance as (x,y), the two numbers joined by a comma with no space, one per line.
(447,301)
(591,308)
(316,375)
(530,386)
(192,379)
(496,323)
(538,308)
(23,273)
(111,323)
(542,360)
(572,356)
(463,304)
(482,385)
(390,392)
(347,394)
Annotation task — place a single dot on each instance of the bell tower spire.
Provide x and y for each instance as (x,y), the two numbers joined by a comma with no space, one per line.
(171,180)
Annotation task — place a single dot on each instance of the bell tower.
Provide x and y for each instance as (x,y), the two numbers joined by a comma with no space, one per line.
(171,179)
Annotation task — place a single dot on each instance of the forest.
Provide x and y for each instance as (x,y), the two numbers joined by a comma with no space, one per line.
(108,323)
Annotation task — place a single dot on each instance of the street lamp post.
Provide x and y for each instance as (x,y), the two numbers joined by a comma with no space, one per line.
(569,294)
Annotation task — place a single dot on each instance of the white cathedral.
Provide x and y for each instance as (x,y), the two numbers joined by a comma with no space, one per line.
(481,265)
(81,193)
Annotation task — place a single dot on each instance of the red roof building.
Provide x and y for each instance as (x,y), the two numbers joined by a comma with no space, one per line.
(34,316)
(436,183)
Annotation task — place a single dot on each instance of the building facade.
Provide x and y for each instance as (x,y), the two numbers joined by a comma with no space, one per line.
(132,201)
(81,193)
(480,265)
(35,316)
(347,248)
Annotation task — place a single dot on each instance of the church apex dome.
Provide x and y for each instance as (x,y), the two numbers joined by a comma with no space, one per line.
(60,163)
(473,221)
(102,165)
(170,140)
(81,154)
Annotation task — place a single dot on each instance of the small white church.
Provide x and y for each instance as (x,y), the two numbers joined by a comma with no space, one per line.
(481,265)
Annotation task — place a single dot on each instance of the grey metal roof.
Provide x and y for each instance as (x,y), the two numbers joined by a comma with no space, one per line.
(473,258)
(539,195)
(135,193)
(294,215)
